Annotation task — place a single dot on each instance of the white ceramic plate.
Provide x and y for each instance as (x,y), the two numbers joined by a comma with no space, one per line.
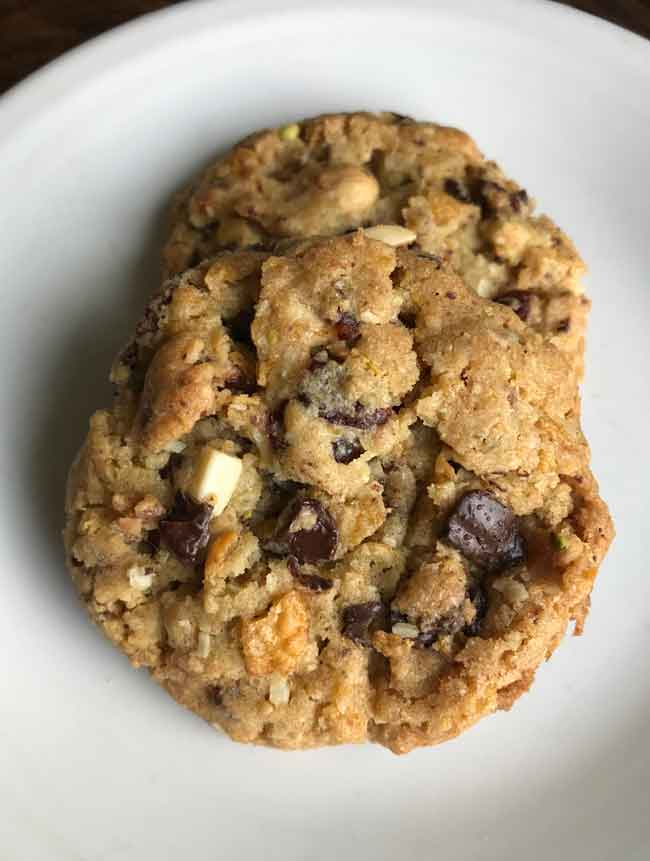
(97,763)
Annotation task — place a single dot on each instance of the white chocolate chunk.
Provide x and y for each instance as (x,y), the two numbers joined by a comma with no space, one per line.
(139,579)
(215,478)
(391,234)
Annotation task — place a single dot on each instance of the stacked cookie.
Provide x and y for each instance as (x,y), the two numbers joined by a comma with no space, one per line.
(343,494)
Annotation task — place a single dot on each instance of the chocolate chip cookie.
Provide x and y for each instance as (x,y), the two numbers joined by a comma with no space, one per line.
(339,497)
(330,174)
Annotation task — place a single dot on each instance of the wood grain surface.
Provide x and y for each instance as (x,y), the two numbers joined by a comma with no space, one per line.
(32,32)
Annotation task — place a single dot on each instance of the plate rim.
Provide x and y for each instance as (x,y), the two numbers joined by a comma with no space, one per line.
(64,76)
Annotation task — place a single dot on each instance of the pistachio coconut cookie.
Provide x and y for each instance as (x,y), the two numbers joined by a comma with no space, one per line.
(339,497)
(333,173)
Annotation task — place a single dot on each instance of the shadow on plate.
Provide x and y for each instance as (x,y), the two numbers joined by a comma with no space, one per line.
(75,382)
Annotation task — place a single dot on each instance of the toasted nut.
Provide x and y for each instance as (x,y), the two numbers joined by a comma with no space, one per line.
(406,631)
(351,189)
(215,478)
(391,234)
(218,550)
(290,132)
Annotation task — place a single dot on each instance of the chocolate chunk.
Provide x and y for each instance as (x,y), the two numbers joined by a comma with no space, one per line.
(312,534)
(408,319)
(347,328)
(359,621)
(275,427)
(518,301)
(454,189)
(186,529)
(173,463)
(346,450)
(563,325)
(360,418)
(518,199)
(450,294)
(239,327)
(479,600)
(486,532)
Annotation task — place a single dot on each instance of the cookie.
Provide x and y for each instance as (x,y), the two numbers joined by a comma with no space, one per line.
(339,497)
(334,173)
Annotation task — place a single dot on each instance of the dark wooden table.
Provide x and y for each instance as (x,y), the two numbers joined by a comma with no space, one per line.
(32,32)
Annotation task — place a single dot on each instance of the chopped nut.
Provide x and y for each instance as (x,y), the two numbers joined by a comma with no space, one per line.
(278,690)
(215,478)
(274,643)
(139,579)
(290,132)
(403,629)
(391,234)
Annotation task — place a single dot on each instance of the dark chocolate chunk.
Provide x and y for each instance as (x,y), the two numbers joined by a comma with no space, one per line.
(347,328)
(173,463)
(359,621)
(454,189)
(486,532)
(346,450)
(360,417)
(408,319)
(563,325)
(317,540)
(518,301)
(186,529)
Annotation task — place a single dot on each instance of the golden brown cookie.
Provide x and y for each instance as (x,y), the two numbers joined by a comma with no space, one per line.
(339,497)
(330,174)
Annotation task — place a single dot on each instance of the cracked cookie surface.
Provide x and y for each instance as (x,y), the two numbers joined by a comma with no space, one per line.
(333,173)
(339,497)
